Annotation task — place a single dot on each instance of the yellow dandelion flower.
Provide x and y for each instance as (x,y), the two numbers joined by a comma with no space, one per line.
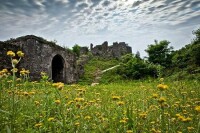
(79,99)
(14,70)
(11,53)
(186,119)
(162,100)
(81,89)
(4,70)
(77,124)
(155,95)
(20,54)
(177,115)
(129,131)
(38,125)
(87,117)
(116,97)
(122,121)
(181,118)
(120,103)
(37,103)
(197,108)
(27,71)
(162,87)
(70,102)
(18,79)
(57,101)
(51,119)
(143,115)
(58,85)
(155,131)
(31,93)
(25,93)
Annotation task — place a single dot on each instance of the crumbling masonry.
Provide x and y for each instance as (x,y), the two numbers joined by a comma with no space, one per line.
(41,56)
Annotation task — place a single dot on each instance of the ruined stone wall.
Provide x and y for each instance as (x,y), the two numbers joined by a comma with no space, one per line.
(115,51)
(5,61)
(84,50)
(39,55)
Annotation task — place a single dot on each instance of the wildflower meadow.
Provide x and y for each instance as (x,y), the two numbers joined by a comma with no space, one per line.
(148,106)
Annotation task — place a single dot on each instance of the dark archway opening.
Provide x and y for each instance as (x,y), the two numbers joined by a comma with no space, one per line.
(58,69)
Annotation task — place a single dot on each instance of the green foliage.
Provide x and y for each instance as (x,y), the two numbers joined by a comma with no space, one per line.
(197,34)
(186,61)
(138,107)
(76,49)
(132,67)
(188,56)
(111,76)
(160,53)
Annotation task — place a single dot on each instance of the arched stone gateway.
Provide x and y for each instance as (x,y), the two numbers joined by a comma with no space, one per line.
(58,66)
(41,55)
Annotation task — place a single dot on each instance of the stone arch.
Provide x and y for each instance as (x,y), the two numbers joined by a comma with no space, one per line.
(58,68)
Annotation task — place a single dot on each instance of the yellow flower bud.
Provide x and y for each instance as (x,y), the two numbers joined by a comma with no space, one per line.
(11,53)
(20,54)
(15,61)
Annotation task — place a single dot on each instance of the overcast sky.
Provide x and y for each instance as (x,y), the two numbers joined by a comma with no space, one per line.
(136,22)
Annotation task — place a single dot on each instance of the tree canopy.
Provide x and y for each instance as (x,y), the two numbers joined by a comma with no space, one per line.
(160,53)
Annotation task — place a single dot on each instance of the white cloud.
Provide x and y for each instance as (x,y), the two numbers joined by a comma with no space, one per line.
(137,22)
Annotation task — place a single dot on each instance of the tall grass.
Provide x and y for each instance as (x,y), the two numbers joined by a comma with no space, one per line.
(128,107)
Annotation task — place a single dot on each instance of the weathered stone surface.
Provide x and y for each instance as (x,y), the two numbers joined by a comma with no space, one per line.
(5,61)
(115,51)
(84,50)
(83,59)
(43,56)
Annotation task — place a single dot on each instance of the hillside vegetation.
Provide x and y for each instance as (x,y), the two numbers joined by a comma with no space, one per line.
(96,65)
(121,103)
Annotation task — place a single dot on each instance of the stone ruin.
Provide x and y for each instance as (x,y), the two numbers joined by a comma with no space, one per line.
(60,64)
(41,56)
(108,52)
(114,51)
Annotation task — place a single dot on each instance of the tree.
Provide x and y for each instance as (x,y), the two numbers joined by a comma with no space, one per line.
(197,34)
(76,49)
(137,55)
(160,53)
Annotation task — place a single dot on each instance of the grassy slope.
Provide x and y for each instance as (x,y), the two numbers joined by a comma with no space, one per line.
(96,64)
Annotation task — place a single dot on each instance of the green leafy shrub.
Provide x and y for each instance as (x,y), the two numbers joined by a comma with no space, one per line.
(136,68)
(76,49)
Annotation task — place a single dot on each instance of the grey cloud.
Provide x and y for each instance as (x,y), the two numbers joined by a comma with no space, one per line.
(137,3)
(27,7)
(82,5)
(106,3)
(195,5)
(160,6)
(98,9)
(71,19)
(95,2)
(105,14)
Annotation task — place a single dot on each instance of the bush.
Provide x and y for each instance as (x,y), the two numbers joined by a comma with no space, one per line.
(76,49)
(135,68)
